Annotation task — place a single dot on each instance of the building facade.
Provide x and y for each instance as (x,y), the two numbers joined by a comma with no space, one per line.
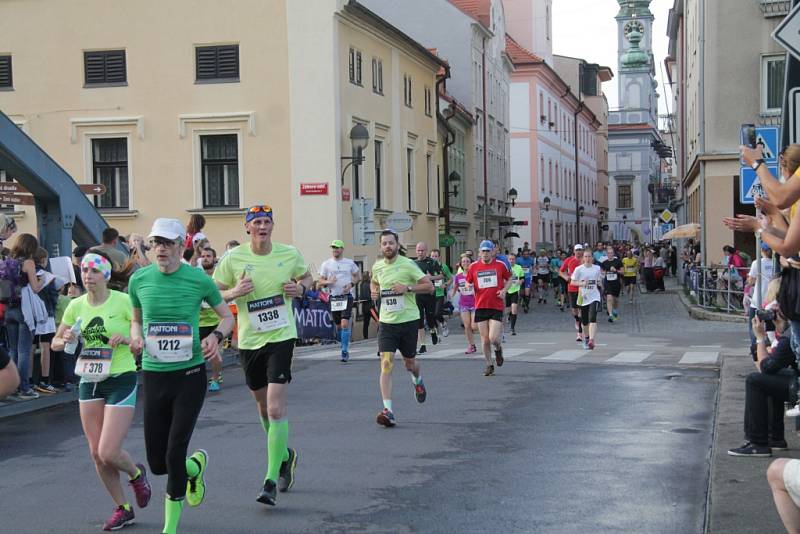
(705,46)
(196,121)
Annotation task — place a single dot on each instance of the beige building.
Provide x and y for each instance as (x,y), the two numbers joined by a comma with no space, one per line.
(705,48)
(240,103)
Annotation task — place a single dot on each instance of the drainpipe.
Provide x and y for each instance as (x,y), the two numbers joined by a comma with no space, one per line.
(485,152)
(702,121)
(577,235)
(449,139)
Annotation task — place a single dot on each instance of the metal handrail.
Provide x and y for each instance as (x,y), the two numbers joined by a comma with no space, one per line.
(720,289)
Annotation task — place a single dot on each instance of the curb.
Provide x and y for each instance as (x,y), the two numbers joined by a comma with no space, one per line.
(705,315)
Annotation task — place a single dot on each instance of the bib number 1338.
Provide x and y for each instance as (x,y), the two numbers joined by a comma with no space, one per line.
(268,314)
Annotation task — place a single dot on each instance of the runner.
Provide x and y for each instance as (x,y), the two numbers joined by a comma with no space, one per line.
(587,277)
(526,262)
(612,286)
(487,275)
(263,277)
(107,390)
(340,275)
(426,303)
(209,321)
(630,267)
(466,302)
(512,296)
(558,286)
(441,290)
(542,275)
(567,268)
(397,280)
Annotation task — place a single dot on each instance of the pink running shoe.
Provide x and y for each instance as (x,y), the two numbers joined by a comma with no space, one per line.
(119,519)
(141,487)
(591,344)
(472,349)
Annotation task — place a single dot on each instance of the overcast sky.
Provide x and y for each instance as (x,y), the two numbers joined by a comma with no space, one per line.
(587,29)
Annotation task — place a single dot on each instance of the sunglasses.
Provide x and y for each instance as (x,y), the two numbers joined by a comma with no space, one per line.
(260,209)
(156,241)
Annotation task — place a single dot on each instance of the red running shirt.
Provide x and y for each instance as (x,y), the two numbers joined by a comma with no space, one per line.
(488,279)
(569,266)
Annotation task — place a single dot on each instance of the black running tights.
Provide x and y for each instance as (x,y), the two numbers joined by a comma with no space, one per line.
(172,401)
(589,313)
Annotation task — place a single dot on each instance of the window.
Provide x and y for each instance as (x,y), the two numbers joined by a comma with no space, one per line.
(378,172)
(428,111)
(217,63)
(772,68)
(110,168)
(428,180)
(407,90)
(104,67)
(410,178)
(377,76)
(219,160)
(354,66)
(541,173)
(6,81)
(624,197)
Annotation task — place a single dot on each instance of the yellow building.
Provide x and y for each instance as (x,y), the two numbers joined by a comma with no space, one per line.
(240,103)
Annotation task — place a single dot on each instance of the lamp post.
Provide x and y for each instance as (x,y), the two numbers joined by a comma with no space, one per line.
(546,202)
(512,196)
(359,138)
(455,179)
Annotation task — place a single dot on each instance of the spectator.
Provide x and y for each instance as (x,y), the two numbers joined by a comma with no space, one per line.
(77,255)
(231,244)
(110,247)
(44,334)
(752,277)
(7,227)
(139,250)
(196,224)
(63,363)
(767,390)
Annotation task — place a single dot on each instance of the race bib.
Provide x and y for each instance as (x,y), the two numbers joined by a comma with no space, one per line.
(591,284)
(392,302)
(338,303)
(465,289)
(526,270)
(611,277)
(269,314)
(438,283)
(94,365)
(487,279)
(169,342)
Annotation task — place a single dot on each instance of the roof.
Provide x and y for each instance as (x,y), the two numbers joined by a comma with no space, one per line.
(520,55)
(479,10)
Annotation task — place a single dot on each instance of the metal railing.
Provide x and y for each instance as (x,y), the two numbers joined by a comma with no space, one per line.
(719,289)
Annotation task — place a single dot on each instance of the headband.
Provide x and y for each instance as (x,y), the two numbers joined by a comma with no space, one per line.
(98,263)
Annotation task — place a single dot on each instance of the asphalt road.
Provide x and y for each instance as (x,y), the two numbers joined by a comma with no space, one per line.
(540,447)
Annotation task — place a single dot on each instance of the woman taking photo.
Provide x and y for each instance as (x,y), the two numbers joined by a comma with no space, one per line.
(107,390)
(466,302)
(20,337)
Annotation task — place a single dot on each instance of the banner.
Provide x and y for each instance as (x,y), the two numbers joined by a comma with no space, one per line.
(313,319)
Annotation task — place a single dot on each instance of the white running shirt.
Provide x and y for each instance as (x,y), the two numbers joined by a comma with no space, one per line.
(592,274)
(343,270)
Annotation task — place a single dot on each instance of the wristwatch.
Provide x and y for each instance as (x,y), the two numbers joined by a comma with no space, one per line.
(219,335)
(410,289)
(758,163)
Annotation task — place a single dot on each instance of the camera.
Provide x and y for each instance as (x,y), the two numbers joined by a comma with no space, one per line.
(765,315)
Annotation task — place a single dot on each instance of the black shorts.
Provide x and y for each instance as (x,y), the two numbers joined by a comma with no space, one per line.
(345,314)
(44,338)
(512,298)
(400,336)
(612,288)
(573,300)
(486,314)
(543,278)
(629,280)
(271,364)
(205,331)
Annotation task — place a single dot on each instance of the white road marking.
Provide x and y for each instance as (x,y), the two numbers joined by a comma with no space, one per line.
(705,346)
(566,355)
(630,356)
(542,343)
(692,357)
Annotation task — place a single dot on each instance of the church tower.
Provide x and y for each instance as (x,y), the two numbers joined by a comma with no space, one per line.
(636,65)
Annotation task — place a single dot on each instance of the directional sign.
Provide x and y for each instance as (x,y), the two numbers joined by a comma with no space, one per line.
(769,138)
(787,33)
(86,189)
(26,200)
(93,189)
(749,186)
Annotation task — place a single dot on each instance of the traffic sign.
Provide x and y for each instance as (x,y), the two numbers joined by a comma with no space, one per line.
(666,216)
(769,138)
(446,240)
(787,33)
(749,185)
(399,221)
(363,210)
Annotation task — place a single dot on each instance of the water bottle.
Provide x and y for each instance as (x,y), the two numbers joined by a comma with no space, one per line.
(72,346)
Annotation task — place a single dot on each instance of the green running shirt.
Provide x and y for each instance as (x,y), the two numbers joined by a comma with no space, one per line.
(396,309)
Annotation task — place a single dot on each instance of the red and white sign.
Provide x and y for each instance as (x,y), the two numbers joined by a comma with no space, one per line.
(316,188)
(345,193)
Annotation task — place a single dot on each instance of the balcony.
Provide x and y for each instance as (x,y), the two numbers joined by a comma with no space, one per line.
(775,8)
(661,195)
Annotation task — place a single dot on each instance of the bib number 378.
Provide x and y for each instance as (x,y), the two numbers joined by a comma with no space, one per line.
(268,314)
(94,364)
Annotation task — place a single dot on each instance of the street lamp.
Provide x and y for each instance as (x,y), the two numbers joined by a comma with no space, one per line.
(359,138)
(580,211)
(546,202)
(512,195)
(453,178)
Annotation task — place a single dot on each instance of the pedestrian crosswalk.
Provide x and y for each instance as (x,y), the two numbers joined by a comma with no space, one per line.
(543,353)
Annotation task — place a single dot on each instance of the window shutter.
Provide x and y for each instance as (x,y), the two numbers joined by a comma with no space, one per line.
(5,72)
(115,66)
(104,66)
(217,62)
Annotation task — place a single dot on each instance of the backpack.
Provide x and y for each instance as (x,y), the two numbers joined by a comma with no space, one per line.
(10,276)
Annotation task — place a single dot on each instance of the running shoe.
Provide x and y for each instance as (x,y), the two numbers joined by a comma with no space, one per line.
(489,371)
(498,356)
(472,349)
(119,519)
(386,418)
(561,308)
(27,395)
(196,486)
(540,301)
(221,378)
(268,493)
(345,356)
(420,392)
(750,449)
(591,344)
(610,318)
(445,329)
(545,301)
(46,389)
(513,332)
(434,337)
(286,474)
(585,345)
(422,349)
(579,339)
(778,444)
(213,385)
(141,487)
(615,313)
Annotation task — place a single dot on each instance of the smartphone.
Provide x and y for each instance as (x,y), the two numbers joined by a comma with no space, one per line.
(765,315)
(748,135)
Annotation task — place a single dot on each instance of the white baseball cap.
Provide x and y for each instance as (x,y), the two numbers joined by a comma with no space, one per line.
(199,236)
(168,229)
(578,247)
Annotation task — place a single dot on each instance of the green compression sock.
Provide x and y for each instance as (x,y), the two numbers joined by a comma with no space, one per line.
(192,469)
(172,515)
(276,447)
(265,424)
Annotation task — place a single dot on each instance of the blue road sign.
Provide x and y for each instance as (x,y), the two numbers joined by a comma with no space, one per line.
(748,188)
(770,137)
